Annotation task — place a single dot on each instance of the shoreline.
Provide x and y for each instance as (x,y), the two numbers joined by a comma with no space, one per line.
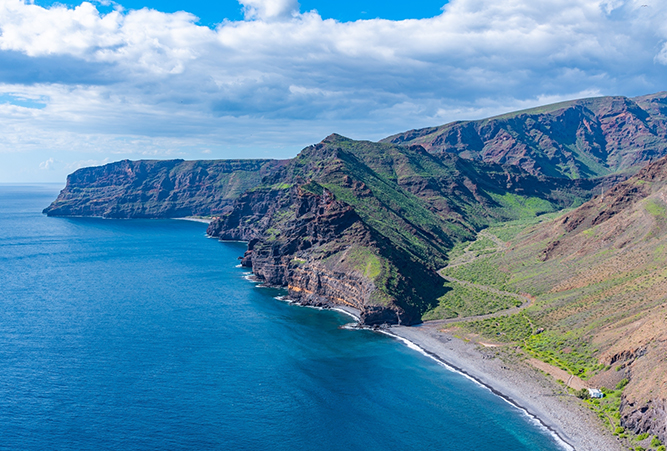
(539,397)
(542,399)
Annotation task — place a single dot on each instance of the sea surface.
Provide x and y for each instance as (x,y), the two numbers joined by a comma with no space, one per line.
(145,335)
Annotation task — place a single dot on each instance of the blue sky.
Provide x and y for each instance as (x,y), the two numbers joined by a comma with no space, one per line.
(88,83)
(212,13)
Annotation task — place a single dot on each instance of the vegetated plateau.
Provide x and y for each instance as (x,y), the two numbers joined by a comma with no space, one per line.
(511,207)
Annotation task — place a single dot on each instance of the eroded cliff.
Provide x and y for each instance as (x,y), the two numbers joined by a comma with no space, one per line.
(158,189)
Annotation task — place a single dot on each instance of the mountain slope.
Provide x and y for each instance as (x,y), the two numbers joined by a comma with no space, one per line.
(583,138)
(369,224)
(598,275)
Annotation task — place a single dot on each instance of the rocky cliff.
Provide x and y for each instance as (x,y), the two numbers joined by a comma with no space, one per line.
(576,139)
(158,189)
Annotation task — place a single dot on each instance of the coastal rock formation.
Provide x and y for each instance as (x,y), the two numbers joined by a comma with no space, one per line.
(576,139)
(158,189)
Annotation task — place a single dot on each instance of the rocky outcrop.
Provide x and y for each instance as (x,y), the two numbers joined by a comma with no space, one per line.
(159,189)
(649,418)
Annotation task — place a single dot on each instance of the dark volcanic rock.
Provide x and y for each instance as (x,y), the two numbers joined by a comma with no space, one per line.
(649,418)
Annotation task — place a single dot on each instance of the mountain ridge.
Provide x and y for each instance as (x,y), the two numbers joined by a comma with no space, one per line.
(395,209)
(583,138)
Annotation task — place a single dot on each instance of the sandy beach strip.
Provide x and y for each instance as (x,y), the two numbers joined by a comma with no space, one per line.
(521,384)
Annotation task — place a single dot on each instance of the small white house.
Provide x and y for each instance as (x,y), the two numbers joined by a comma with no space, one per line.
(595,393)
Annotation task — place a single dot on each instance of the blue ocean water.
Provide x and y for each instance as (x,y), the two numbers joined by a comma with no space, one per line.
(144,335)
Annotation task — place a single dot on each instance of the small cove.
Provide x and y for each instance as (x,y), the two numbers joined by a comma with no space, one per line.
(143,334)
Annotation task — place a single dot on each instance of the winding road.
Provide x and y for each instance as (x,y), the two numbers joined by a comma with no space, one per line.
(469,257)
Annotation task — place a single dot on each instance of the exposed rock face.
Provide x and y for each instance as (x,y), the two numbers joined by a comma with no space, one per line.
(158,189)
(317,247)
(576,139)
(650,418)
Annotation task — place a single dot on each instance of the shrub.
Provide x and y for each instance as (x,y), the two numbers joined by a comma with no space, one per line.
(583,394)
(622,384)
(655,441)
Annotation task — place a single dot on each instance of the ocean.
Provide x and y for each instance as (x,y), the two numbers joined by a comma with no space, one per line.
(146,335)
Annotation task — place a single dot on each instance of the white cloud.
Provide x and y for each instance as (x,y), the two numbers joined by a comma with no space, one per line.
(48,164)
(155,84)
(270,9)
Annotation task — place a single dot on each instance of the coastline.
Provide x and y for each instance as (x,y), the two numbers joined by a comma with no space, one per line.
(538,396)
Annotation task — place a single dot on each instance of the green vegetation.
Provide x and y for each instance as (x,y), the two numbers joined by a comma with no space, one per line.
(505,329)
(523,207)
(481,244)
(363,259)
(608,410)
(656,208)
(466,300)
(483,271)
(567,351)
(509,230)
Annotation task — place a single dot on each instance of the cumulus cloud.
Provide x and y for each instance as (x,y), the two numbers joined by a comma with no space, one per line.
(147,81)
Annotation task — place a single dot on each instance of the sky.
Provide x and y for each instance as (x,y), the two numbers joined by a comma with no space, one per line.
(89,83)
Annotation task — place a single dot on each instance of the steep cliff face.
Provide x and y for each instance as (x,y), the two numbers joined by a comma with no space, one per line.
(368,224)
(576,139)
(158,189)
(325,254)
